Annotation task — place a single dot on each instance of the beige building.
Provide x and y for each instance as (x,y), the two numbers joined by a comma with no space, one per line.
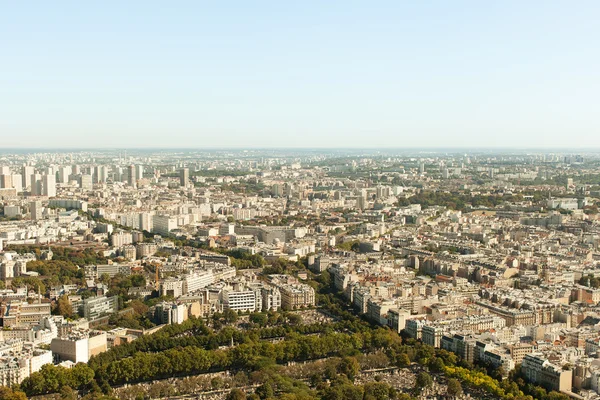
(296,296)
(540,371)
(79,346)
(22,314)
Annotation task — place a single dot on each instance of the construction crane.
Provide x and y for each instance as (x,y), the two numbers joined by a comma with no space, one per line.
(156,277)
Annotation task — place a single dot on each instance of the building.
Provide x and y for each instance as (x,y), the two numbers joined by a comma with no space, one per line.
(131,178)
(247,300)
(163,224)
(26,173)
(146,249)
(129,252)
(36,210)
(6,181)
(22,314)
(12,211)
(86,182)
(396,319)
(184,177)
(15,366)
(170,313)
(540,371)
(519,351)
(79,346)
(432,335)
(414,328)
(463,346)
(171,287)
(564,203)
(96,307)
(36,184)
(68,204)
(271,298)
(295,296)
(49,185)
(197,280)
(96,271)
(121,238)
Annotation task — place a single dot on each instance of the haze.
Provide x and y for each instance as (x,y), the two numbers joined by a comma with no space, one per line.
(306,74)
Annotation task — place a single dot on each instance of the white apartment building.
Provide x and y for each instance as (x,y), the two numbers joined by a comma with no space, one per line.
(197,280)
(163,224)
(242,300)
(171,287)
(121,238)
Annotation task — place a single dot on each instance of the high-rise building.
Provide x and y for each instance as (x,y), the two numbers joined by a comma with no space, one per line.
(35,208)
(131,176)
(26,175)
(64,173)
(85,182)
(184,177)
(6,181)
(102,174)
(36,184)
(163,224)
(49,185)
(139,172)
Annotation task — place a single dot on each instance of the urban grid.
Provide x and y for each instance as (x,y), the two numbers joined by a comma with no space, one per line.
(299,274)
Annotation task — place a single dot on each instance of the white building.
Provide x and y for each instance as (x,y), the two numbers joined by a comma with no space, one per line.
(242,300)
(163,224)
(197,280)
(49,185)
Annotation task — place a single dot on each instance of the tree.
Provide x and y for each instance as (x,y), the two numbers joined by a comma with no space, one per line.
(64,307)
(138,280)
(260,319)
(139,307)
(294,319)
(403,360)
(236,394)
(454,387)
(230,316)
(424,380)
(216,382)
(265,391)
(436,364)
(66,393)
(349,367)
(10,394)
(377,391)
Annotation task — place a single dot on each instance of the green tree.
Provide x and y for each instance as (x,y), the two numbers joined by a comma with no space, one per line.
(350,367)
(10,394)
(66,393)
(454,387)
(138,280)
(236,394)
(265,391)
(376,391)
(230,316)
(423,380)
(403,360)
(260,319)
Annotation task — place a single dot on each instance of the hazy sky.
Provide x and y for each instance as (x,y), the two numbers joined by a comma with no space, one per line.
(300,74)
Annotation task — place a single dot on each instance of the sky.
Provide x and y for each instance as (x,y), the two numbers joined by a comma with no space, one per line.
(364,74)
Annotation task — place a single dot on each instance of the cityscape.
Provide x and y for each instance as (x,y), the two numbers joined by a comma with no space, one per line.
(231,274)
(277,200)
